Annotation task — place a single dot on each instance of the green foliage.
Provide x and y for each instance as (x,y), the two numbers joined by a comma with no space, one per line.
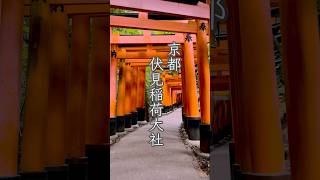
(162,33)
(119,11)
(127,31)
(137,32)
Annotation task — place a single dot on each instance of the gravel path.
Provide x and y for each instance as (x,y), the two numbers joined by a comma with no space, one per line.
(133,158)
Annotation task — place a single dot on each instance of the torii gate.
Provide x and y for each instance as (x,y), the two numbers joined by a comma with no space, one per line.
(264,157)
(47,141)
(199,33)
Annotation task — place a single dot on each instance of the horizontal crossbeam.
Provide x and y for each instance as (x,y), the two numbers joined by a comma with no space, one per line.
(140,23)
(73,2)
(201,11)
(153,39)
(73,9)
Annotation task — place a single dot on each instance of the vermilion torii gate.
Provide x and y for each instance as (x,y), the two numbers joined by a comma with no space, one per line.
(144,54)
(67,101)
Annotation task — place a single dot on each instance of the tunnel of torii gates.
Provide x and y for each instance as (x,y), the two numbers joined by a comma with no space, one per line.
(67,113)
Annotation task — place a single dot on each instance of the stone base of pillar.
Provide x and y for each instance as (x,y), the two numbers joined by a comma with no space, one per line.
(10,178)
(256,176)
(34,175)
(193,127)
(120,125)
(134,117)
(127,121)
(113,126)
(205,138)
(58,172)
(78,168)
(98,161)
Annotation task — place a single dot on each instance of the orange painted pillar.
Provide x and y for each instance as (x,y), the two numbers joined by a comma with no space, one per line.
(141,93)
(97,85)
(55,151)
(192,116)
(174,97)
(128,91)
(184,99)
(259,91)
(11,19)
(36,102)
(301,55)
(77,84)
(121,111)
(204,86)
(166,98)
(134,97)
(238,146)
(98,110)
(113,90)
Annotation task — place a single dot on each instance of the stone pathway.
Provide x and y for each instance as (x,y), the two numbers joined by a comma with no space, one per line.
(220,163)
(133,158)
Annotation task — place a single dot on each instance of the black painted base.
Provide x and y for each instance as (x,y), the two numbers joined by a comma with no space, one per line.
(58,172)
(78,168)
(165,109)
(10,178)
(134,118)
(235,172)
(127,121)
(113,126)
(254,176)
(120,125)
(34,176)
(98,161)
(221,134)
(193,127)
(185,126)
(205,138)
(141,114)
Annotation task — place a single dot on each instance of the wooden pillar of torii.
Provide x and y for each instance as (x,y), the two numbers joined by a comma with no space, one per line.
(55,128)
(53,96)
(113,90)
(184,95)
(97,85)
(77,85)
(260,129)
(127,98)
(134,98)
(301,59)
(11,19)
(141,93)
(238,150)
(192,116)
(204,88)
(97,130)
(166,95)
(120,124)
(33,151)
